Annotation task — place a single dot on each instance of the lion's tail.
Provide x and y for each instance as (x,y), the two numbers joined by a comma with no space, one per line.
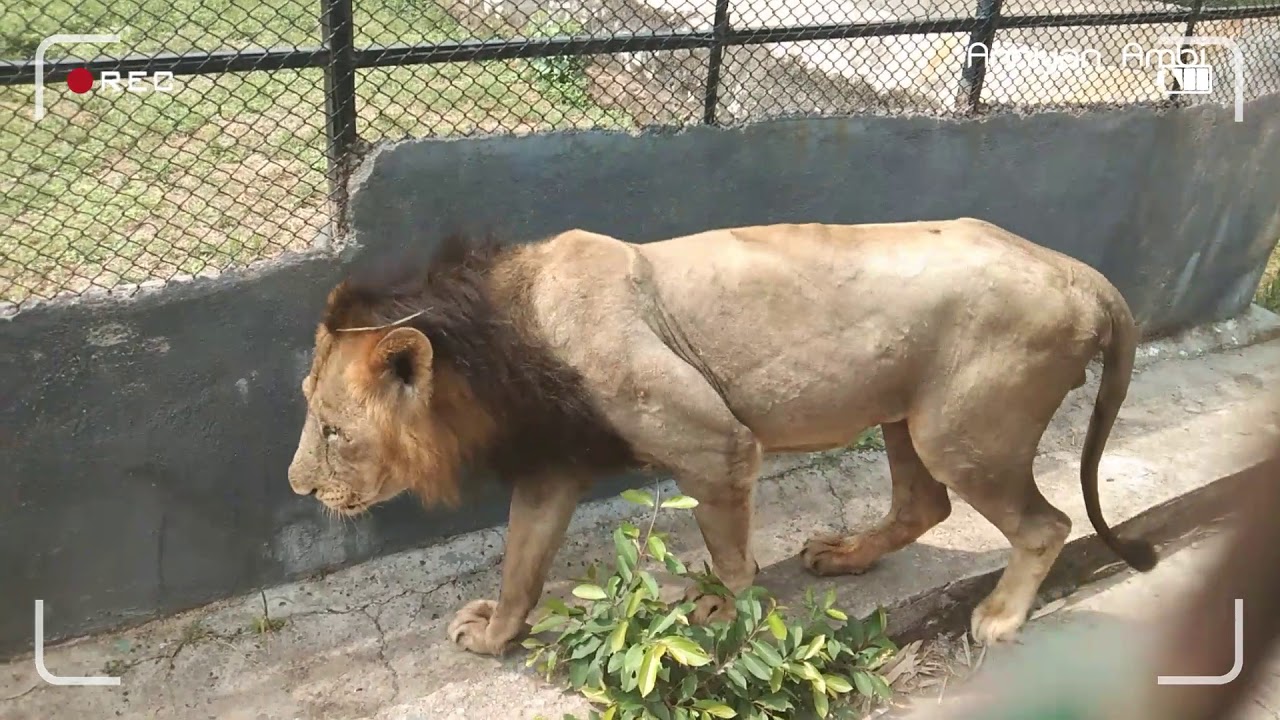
(1117,367)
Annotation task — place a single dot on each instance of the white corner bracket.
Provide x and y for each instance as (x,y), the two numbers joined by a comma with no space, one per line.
(1237,62)
(56,679)
(43,47)
(1232,674)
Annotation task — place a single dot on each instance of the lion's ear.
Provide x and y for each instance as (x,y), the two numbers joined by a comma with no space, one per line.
(404,355)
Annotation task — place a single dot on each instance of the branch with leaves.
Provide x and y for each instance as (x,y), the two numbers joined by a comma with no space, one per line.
(639,658)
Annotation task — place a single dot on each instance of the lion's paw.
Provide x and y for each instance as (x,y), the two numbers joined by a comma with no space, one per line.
(709,608)
(995,621)
(832,554)
(470,627)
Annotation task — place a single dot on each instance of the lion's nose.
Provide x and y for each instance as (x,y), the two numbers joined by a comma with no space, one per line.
(300,484)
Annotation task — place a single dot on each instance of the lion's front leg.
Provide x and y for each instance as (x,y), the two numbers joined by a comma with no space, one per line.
(540,512)
(724,486)
(725,523)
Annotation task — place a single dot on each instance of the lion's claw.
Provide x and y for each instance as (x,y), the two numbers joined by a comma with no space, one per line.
(709,608)
(469,627)
(832,554)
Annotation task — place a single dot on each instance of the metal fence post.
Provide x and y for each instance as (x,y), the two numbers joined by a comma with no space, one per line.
(337,25)
(719,32)
(975,72)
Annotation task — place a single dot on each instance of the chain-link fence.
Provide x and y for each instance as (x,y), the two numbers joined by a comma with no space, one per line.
(215,133)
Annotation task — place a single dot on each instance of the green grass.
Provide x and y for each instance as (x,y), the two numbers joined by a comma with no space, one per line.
(227,169)
(1268,295)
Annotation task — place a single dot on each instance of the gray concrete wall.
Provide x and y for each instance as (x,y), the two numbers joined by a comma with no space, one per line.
(145,442)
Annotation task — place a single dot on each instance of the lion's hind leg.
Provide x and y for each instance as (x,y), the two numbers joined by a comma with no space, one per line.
(989,464)
(1037,535)
(919,503)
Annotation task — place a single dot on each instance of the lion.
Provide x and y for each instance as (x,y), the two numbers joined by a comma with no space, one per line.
(556,362)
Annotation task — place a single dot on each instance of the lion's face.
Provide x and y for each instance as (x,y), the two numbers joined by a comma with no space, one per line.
(368,434)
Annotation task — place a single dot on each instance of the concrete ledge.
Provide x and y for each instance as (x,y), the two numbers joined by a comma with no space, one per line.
(368,641)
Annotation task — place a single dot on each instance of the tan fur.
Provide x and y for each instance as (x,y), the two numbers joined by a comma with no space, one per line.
(405,447)
(706,352)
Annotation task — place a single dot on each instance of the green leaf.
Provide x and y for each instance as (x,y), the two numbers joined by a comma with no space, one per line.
(630,666)
(736,677)
(609,713)
(628,555)
(578,674)
(597,695)
(649,583)
(637,497)
(674,565)
(657,548)
(775,680)
(777,702)
(819,683)
(557,606)
(685,651)
(767,653)
(814,646)
(874,657)
(649,669)
(633,602)
(829,599)
(879,686)
(550,622)
(837,683)
(874,624)
(619,636)
(679,502)
(855,633)
(715,709)
(688,687)
(797,637)
(820,702)
(808,672)
(755,611)
(837,614)
(667,621)
(615,663)
(754,666)
(532,643)
(776,627)
(862,681)
(631,662)
(551,662)
(587,591)
(586,648)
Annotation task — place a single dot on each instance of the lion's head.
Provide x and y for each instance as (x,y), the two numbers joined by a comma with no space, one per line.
(383,417)
(415,376)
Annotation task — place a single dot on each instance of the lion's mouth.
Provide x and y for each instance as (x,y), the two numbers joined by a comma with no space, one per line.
(353,509)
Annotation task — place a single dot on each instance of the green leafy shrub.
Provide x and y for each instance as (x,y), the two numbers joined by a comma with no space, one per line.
(640,658)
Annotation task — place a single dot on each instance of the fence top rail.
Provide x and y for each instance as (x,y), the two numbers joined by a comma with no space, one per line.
(22,72)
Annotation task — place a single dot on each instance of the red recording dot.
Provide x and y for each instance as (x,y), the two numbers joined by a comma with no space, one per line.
(80,81)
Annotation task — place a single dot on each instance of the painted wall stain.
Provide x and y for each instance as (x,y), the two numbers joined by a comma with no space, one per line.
(109,335)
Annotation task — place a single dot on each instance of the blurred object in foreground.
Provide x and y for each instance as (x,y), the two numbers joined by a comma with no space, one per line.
(1080,674)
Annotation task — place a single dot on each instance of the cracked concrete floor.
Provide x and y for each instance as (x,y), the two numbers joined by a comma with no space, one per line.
(368,642)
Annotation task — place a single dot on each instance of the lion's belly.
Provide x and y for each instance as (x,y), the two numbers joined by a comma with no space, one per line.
(822,399)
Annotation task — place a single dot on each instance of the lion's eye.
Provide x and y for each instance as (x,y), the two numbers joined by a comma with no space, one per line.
(329,432)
